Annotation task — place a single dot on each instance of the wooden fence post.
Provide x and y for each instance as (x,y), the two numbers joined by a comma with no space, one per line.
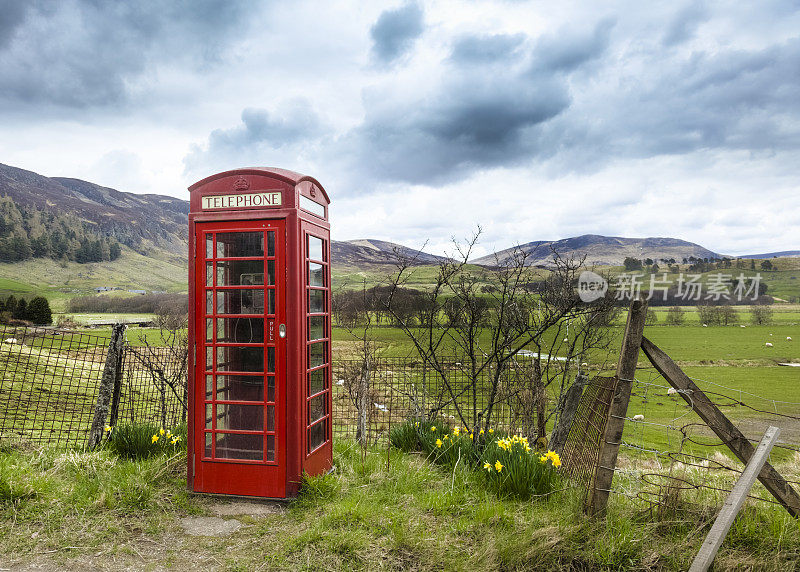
(721,425)
(105,392)
(734,502)
(612,439)
(569,407)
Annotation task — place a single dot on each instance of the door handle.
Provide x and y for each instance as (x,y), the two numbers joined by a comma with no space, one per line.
(282,331)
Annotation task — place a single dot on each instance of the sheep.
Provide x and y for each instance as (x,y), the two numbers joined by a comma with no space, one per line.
(638,417)
(381,407)
(340,382)
(788,338)
(705,325)
(742,326)
(672,391)
(768,344)
(11,341)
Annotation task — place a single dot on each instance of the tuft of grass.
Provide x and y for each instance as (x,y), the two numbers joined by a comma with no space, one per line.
(135,441)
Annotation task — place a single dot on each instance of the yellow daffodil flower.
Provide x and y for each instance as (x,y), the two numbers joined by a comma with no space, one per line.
(161,431)
(439,443)
(491,431)
(433,427)
(155,438)
(471,436)
(488,467)
(107,428)
(499,466)
(480,432)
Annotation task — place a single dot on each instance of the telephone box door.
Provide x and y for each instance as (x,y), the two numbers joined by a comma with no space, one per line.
(240,389)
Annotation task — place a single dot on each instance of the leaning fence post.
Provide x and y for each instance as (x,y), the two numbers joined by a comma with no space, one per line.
(569,406)
(612,439)
(107,383)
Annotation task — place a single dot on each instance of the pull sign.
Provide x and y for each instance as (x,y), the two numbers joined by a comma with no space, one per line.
(282,331)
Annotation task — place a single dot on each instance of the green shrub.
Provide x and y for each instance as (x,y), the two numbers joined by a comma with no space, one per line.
(142,440)
(320,487)
(512,469)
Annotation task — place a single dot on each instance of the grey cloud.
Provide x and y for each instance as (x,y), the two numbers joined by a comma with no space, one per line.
(292,124)
(684,24)
(466,125)
(84,54)
(395,31)
(470,49)
(12,15)
(568,50)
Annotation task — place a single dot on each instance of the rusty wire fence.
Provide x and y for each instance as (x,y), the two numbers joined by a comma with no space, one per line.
(50,381)
(401,389)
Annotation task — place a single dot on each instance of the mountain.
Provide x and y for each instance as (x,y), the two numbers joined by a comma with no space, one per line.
(603,250)
(782,253)
(127,217)
(355,253)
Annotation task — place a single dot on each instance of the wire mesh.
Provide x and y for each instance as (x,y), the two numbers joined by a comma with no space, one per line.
(48,384)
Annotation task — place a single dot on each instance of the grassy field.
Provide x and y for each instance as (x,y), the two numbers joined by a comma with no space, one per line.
(68,510)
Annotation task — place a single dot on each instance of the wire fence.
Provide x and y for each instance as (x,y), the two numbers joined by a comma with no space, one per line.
(672,461)
(50,380)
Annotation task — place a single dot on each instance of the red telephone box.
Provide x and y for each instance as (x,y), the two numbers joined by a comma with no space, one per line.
(259,332)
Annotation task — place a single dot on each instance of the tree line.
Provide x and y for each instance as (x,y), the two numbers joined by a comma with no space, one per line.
(34,233)
(36,311)
(145,304)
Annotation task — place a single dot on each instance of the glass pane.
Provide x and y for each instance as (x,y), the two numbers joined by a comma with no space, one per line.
(271,272)
(231,244)
(232,446)
(240,417)
(209,387)
(316,435)
(270,243)
(270,418)
(271,359)
(317,408)
(312,206)
(271,302)
(209,358)
(240,301)
(316,381)
(315,274)
(316,301)
(270,388)
(209,246)
(317,354)
(209,273)
(240,273)
(236,358)
(209,302)
(209,416)
(315,248)
(240,330)
(208,445)
(270,447)
(209,329)
(316,328)
(240,388)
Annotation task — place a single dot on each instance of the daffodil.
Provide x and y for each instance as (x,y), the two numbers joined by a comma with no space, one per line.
(161,431)
(107,428)
(488,467)
(456,431)
(169,434)
(498,465)
(433,427)
(155,438)
(480,432)
(491,431)
(439,443)
(471,436)
(175,440)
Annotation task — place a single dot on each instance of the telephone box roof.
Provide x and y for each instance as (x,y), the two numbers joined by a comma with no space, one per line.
(285,175)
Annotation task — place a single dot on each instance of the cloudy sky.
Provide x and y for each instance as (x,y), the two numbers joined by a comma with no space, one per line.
(535,120)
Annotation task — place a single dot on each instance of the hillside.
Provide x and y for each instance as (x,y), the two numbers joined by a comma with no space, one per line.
(357,253)
(781,254)
(128,218)
(604,250)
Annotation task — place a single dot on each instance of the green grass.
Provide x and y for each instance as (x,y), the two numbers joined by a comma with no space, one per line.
(94,510)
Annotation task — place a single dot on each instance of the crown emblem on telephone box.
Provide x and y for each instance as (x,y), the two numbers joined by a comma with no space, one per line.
(241,184)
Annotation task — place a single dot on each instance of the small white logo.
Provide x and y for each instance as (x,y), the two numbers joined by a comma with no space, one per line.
(591,286)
